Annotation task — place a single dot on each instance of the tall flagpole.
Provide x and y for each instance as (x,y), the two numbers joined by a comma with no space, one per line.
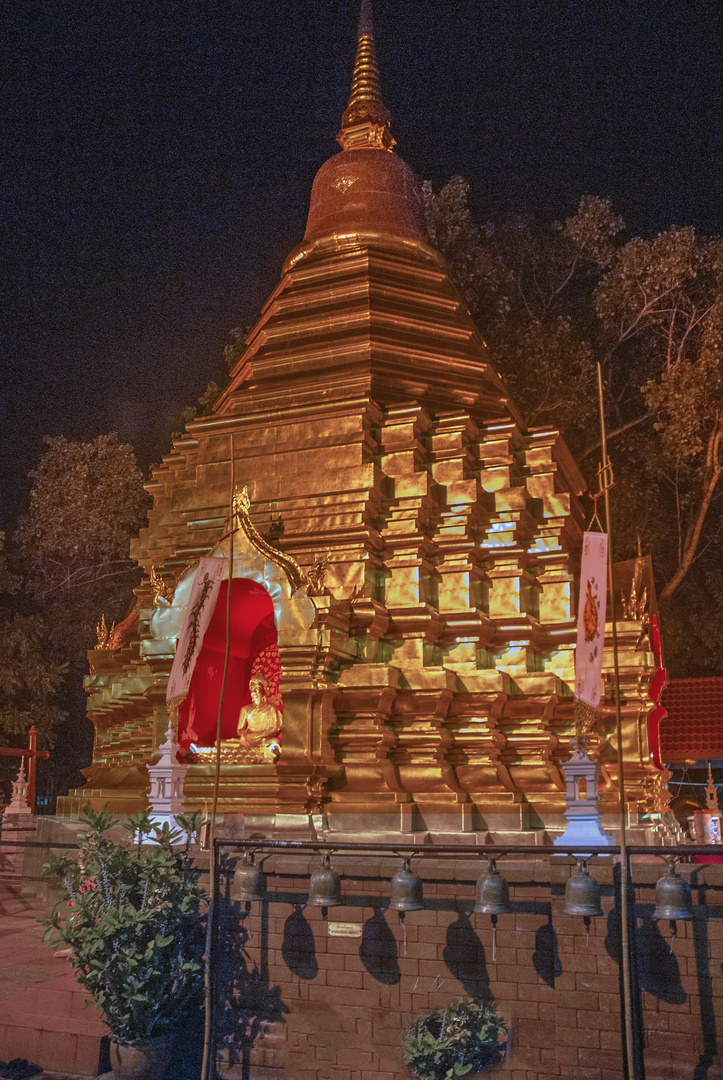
(627,1004)
(207,1062)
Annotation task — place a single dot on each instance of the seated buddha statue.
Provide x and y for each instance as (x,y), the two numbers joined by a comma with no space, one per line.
(259,724)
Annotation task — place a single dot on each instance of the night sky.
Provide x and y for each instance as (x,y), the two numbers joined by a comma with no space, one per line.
(157,160)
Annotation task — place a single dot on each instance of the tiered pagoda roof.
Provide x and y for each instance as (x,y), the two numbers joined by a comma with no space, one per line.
(427,657)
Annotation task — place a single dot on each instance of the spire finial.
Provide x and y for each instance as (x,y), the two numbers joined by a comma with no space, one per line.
(365,122)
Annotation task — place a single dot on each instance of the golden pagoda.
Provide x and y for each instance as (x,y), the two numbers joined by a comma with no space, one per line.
(418,542)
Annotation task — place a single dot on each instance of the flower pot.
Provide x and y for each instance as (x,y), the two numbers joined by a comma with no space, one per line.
(144,1060)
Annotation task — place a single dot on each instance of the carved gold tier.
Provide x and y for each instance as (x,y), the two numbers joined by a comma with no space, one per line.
(433,690)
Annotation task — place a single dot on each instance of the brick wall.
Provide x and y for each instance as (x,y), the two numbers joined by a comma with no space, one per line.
(42,1008)
(337,1006)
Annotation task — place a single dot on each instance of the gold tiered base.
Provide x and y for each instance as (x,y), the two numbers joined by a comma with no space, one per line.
(239,752)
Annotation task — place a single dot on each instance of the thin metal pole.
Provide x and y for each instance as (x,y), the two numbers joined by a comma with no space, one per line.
(32,764)
(227,654)
(208,1002)
(627,1004)
(431,851)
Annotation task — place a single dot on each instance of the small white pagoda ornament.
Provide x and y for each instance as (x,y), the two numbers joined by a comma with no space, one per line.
(167,776)
(19,799)
(708,823)
(583,800)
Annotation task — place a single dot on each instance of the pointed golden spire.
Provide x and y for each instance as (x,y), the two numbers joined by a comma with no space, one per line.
(366,121)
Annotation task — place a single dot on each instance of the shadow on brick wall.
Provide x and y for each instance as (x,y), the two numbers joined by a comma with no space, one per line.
(244,1000)
(299,948)
(464,955)
(701,946)
(658,968)
(614,949)
(378,950)
(546,958)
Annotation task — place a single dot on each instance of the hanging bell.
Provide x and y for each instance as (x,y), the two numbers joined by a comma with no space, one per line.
(582,893)
(406,891)
(673,899)
(493,893)
(325,886)
(248,880)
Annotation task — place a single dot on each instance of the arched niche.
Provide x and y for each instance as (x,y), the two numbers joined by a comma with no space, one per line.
(282,593)
(253,649)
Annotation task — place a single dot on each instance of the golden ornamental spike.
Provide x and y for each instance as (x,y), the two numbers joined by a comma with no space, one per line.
(102,633)
(159,587)
(365,123)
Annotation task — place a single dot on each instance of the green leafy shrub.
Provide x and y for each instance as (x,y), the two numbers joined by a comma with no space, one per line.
(465,1037)
(132,917)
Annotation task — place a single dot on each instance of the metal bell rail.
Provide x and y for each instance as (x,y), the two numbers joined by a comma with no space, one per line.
(221,859)
(435,850)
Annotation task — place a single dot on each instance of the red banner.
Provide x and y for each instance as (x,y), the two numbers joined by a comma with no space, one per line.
(591,618)
(198,615)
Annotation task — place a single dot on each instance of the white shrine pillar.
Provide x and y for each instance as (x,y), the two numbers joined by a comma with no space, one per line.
(167,776)
(708,823)
(583,801)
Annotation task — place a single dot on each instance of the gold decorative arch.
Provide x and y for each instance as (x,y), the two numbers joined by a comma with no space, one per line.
(241,508)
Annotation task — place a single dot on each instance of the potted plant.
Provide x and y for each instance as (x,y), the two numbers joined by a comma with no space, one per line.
(131,915)
(465,1037)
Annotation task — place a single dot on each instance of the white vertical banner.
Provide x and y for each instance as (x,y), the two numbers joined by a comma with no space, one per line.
(202,601)
(591,617)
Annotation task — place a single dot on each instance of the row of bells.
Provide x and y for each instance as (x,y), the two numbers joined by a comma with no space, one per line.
(673,898)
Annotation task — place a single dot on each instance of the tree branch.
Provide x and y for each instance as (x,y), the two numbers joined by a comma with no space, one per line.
(714,468)
(616,431)
(66,586)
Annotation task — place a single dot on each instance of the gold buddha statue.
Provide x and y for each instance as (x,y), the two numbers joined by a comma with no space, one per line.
(259,724)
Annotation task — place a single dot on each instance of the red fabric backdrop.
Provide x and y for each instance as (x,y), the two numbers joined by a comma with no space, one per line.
(253,633)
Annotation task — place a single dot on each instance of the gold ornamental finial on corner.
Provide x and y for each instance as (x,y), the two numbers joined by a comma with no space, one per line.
(159,588)
(103,634)
(366,121)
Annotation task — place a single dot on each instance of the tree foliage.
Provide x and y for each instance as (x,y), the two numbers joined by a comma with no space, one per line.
(87,502)
(31,674)
(69,563)
(523,281)
(231,354)
(660,308)
(30,679)
(554,297)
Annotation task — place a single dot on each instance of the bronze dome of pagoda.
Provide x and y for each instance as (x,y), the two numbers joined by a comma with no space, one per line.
(366,188)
